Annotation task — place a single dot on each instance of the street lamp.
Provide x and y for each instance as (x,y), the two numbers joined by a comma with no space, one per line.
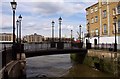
(115,45)
(82,36)
(80,33)
(88,31)
(71,38)
(53,30)
(20,19)
(60,20)
(13,5)
(17,22)
(98,38)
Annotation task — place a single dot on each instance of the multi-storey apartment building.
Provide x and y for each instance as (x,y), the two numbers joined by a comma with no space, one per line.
(33,38)
(100,23)
(6,37)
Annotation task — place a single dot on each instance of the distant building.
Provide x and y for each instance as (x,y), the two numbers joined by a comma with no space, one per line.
(6,37)
(33,38)
(56,39)
(99,18)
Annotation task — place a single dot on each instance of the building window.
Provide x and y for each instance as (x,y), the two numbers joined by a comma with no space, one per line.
(96,9)
(104,2)
(104,14)
(118,8)
(96,32)
(114,11)
(92,33)
(91,10)
(87,12)
(87,21)
(105,29)
(96,18)
(92,20)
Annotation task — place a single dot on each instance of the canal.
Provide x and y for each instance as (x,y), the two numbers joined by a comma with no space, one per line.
(59,66)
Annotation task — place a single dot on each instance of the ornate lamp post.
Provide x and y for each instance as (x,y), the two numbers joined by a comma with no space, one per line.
(88,32)
(71,34)
(17,22)
(20,19)
(82,36)
(71,38)
(98,38)
(115,45)
(60,20)
(53,30)
(80,32)
(13,5)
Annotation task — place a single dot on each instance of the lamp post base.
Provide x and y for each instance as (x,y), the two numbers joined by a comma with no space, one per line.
(53,45)
(115,47)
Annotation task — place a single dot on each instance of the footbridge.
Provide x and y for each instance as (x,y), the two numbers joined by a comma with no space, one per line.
(15,68)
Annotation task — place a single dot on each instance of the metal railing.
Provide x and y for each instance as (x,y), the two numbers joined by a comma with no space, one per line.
(105,46)
(42,46)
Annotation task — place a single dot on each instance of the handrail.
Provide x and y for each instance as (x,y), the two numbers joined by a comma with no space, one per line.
(12,67)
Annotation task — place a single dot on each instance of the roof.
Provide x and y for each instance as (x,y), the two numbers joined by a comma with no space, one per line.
(91,6)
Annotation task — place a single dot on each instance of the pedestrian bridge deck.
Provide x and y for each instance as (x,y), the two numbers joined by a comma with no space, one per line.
(55,51)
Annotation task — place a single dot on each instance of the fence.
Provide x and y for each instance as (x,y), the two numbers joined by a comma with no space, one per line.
(105,46)
(41,46)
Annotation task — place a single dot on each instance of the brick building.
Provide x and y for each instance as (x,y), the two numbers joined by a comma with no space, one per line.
(6,37)
(33,38)
(99,18)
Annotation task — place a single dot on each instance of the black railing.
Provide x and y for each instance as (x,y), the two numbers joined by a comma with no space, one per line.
(43,46)
(105,46)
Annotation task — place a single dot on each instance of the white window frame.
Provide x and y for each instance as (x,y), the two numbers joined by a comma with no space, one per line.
(92,10)
(118,9)
(96,9)
(96,18)
(104,13)
(87,21)
(92,20)
(105,28)
(96,31)
(104,2)
(118,26)
(114,11)
(87,12)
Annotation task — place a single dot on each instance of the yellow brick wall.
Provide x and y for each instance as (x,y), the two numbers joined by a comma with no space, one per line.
(102,7)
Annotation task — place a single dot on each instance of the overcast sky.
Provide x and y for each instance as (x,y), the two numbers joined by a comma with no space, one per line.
(38,14)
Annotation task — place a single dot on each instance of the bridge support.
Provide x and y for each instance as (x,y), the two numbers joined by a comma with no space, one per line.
(60,45)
